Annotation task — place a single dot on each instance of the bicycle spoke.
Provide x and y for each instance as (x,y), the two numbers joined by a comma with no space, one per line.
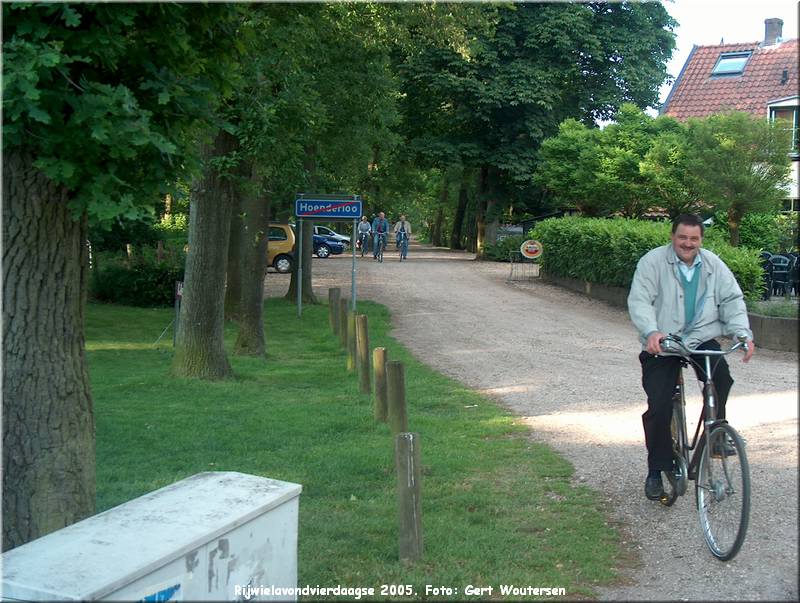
(723,492)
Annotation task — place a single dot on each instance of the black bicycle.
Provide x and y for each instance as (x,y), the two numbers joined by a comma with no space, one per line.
(363,242)
(380,245)
(402,244)
(715,460)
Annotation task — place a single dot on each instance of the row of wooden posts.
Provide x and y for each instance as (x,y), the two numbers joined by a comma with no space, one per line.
(389,406)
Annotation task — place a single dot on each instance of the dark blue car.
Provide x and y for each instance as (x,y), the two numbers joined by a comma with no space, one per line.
(325,246)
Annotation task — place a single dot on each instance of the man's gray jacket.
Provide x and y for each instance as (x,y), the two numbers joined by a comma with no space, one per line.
(655,301)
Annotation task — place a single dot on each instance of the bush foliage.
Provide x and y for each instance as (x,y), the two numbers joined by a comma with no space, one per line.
(139,281)
(501,250)
(606,251)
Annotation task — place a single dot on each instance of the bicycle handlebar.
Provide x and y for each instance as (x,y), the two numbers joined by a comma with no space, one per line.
(672,345)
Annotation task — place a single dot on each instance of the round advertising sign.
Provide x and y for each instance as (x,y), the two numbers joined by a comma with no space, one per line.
(531,249)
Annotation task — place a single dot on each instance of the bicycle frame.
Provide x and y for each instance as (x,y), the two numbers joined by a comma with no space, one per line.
(708,416)
(724,485)
(403,244)
(380,239)
(363,239)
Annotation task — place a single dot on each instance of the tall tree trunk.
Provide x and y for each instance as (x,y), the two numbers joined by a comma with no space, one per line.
(308,293)
(480,216)
(458,221)
(234,272)
(308,296)
(492,222)
(200,350)
(253,268)
(48,419)
(734,220)
(436,231)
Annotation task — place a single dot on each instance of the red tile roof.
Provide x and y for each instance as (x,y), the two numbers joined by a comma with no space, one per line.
(697,94)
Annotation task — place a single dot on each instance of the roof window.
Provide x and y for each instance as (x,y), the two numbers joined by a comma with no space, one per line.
(731,63)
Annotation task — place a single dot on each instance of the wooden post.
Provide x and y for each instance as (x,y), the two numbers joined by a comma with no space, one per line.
(409,495)
(160,251)
(343,321)
(362,354)
(351,341)
(396,389)
(334,294)
(379,366)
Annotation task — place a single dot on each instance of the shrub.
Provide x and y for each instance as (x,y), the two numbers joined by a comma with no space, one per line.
(140,281)
(607,251)
(757,230)
(173,228)
(500,251)
(115,236)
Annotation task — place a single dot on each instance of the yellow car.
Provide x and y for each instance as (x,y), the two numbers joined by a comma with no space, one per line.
(280,249)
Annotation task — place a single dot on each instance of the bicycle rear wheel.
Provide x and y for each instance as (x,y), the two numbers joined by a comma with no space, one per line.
(723,491)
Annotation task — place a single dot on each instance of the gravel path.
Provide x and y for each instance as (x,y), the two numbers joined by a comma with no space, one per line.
(567,365)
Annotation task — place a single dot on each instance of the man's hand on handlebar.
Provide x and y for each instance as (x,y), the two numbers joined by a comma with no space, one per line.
(654,342)
(656,338)
(748,354)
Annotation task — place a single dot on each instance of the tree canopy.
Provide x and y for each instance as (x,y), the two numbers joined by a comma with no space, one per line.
(732,162)
(434,108)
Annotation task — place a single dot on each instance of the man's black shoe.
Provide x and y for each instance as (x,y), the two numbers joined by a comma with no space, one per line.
(653,488)
(719,447)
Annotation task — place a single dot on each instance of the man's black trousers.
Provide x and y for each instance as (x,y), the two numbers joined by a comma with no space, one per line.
(659,376)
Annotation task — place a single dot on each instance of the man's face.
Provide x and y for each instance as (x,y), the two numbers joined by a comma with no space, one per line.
(687,240)
(381,215)
(402,218)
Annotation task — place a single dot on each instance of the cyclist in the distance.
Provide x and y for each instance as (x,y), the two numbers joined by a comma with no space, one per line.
(402,234)
(684,290)
(364,232)
(380,230)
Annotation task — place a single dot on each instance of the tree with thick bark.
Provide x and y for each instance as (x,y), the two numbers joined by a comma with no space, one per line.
(48,421)
(255,208)
(92,130)
(200,343)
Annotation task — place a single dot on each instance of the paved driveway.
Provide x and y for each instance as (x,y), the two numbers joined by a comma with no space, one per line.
(567,366)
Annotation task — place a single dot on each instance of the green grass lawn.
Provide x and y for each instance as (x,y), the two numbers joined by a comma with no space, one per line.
(497,507)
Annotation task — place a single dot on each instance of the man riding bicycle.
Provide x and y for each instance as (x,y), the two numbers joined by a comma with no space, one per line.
(684,290)
(364,232)
(380,229)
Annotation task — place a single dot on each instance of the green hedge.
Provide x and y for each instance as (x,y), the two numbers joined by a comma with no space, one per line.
(606,251)
(500,251)
(142,281)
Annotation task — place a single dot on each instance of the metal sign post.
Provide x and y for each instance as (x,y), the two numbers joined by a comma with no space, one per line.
(353,277)
(299,267)
(330,207)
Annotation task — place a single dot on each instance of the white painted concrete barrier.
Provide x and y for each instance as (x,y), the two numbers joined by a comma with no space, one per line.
(207,537)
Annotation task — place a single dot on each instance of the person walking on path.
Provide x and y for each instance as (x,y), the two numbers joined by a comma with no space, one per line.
(684,290)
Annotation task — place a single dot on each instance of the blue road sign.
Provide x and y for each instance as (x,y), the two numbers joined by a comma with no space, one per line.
(330,209)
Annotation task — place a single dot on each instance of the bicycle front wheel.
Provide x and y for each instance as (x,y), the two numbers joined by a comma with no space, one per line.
(723,491)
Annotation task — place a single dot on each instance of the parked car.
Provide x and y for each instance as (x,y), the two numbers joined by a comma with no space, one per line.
(280,249)
(325,246)
(331,234)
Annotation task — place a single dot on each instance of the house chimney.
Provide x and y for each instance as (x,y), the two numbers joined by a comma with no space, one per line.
(773,30)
